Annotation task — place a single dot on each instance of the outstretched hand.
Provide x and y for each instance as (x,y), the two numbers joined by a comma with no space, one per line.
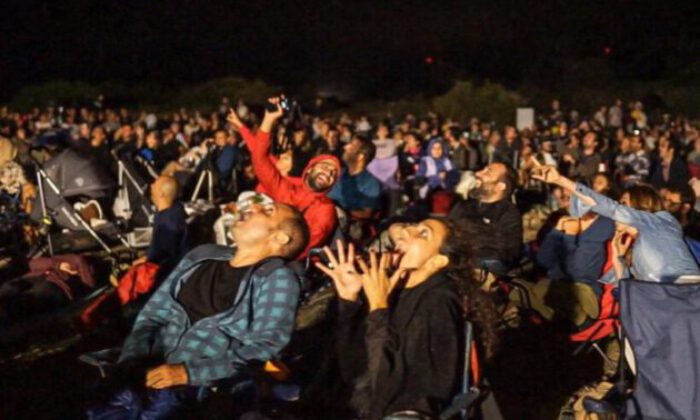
(376,283)
(548,174)
(342,270)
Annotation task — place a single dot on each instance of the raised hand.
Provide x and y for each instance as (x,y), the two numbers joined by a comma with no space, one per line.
(548,174)
(622,241)
(233,119)
(376,283)
(342,270)
(695,185)
(272,116)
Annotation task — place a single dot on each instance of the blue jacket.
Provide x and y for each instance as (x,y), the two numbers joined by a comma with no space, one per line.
(256,328)
(357,192)
(225,161)
(577,257)
(169,239)
(659,253)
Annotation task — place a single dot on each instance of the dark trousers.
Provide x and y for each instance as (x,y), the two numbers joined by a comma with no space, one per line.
(151,404)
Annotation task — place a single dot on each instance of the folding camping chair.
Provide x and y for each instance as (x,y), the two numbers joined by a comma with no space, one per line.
(471,377)
(470,393)
(499,279)
(607,324)
(659,320)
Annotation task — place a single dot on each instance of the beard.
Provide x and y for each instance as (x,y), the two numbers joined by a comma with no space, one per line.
(481,190)
(315,185)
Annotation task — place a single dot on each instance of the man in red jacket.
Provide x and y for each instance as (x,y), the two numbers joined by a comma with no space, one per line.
(307,193)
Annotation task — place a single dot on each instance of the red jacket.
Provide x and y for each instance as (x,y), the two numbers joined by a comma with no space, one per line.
(318,209)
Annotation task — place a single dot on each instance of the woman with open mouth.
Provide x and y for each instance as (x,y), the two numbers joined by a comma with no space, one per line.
(411,313)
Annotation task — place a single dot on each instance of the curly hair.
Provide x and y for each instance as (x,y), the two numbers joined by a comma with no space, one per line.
(478,305)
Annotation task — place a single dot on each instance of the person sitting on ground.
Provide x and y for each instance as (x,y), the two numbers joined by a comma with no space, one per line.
(220,312)
(309,193)
(358,191)
(659,253)
(493,220)
(169,239)
(413,334)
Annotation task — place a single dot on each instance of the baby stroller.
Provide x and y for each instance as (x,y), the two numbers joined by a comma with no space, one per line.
(65,179)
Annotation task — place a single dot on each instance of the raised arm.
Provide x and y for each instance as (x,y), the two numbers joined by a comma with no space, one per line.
(276,186)
(248,137)
(598,203)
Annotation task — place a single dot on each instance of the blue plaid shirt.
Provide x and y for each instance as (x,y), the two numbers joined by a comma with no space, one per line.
(257,327)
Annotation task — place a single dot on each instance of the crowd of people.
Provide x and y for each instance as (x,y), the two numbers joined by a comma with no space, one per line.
(416,221)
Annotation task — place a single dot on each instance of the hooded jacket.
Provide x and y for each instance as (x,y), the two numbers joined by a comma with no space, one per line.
(318,209)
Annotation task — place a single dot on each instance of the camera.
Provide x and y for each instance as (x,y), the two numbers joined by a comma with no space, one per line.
(286,104)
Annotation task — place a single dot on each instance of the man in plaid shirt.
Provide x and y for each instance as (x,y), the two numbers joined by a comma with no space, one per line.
(218,312)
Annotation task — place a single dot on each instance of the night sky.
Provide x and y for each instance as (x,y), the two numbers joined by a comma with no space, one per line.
(378,49)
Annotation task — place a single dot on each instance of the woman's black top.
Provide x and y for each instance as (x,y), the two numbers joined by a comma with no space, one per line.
(413,352)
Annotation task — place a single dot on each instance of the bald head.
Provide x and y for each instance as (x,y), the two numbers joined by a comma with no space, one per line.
(164,191)
(272,229)
(294,226)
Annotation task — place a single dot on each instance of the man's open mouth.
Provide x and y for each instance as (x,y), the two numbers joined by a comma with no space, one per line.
(244,215)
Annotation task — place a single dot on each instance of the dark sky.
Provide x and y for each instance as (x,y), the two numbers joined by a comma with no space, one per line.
(376,48)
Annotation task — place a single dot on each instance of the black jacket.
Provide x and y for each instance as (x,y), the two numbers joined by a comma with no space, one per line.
(677,177)
(496,229)
(413,351)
